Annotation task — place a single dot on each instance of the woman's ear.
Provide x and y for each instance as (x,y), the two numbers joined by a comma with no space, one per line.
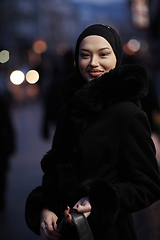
(74,63)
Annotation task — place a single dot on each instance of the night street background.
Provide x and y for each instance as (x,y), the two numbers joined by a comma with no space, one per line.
(40,36)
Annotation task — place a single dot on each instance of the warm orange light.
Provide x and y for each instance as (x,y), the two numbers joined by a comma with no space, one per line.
(132,46)
(39,46)
(128,50)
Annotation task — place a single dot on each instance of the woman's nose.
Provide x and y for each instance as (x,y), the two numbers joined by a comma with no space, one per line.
(94,61)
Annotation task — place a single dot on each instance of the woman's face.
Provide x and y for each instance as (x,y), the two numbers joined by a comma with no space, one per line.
(96,57)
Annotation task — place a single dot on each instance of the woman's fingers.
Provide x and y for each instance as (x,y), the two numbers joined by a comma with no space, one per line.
(47,230)
(86,210)
(51,220)
(43,233)
(48,234)
(83,206)
(50,227)
(68,217)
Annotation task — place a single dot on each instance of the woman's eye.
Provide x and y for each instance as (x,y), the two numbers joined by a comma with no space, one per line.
(85,55)
(103,54)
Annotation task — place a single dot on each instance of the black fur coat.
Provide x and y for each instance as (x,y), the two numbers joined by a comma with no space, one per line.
(102,149)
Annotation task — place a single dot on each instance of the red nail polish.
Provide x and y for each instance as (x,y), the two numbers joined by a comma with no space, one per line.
(67,208)
(77,205)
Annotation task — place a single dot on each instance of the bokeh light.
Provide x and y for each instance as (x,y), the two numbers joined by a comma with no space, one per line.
(140,13)
(62,48)
(39,46)
(17,77)
(32,76)
(4,56)
(132,46)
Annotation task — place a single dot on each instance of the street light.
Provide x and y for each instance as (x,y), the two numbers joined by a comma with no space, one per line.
(4,56)
(32,76)
(17,77)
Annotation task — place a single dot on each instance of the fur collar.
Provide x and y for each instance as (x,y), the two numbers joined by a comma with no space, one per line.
(127,82)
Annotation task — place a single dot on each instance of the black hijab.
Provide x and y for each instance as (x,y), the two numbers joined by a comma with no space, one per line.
(106,32)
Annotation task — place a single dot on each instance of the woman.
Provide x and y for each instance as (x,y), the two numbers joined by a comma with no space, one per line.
(102,161)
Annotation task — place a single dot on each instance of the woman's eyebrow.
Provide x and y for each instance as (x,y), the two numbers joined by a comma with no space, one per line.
(103,48)
(82,49)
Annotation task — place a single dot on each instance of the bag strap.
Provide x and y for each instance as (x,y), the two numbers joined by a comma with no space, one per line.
(82,225)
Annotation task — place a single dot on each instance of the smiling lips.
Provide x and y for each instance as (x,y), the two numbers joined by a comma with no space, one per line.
(95,72)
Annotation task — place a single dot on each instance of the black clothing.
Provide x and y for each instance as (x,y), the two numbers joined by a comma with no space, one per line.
(103,149)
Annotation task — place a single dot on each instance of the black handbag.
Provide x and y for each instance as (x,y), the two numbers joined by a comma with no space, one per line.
(81,224)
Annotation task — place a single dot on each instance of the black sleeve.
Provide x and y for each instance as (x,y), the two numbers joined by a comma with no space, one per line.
(140,186)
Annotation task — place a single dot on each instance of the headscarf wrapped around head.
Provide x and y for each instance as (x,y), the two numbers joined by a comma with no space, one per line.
(106,32)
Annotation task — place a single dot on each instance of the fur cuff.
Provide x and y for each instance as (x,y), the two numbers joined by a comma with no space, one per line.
(37,200)
(34,205)
(103,199)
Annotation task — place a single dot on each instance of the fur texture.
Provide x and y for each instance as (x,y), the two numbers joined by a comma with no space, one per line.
(128,82)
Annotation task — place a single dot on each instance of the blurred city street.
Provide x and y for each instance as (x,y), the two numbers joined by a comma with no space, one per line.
(25,174)
(36,55)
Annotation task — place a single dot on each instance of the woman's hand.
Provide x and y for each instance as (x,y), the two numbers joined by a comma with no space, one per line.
(82,206)
(48,226)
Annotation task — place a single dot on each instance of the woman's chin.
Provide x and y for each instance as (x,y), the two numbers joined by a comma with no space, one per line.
(90,78)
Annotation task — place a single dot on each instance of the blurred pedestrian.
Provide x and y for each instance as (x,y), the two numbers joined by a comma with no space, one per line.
(102,162)
(7,147)
(52,102)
